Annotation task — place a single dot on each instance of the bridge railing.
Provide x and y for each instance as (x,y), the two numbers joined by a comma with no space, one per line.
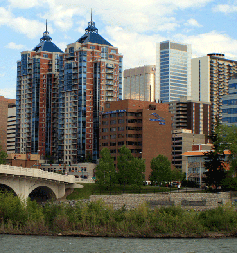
(36,173)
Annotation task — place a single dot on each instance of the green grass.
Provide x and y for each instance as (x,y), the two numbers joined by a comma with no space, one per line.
(93,189)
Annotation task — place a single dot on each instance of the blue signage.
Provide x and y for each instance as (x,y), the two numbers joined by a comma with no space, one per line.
(158,118)
(114,111)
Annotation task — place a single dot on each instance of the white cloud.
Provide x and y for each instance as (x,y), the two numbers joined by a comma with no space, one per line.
(13,45)
(8,92)
(137,49)
(24,4)
(225,8)
(139,15)
(31,28)
(2,74)
(213,41)
(192,22)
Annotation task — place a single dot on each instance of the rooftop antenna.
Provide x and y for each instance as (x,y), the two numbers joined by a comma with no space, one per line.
(46,26)
(91,15)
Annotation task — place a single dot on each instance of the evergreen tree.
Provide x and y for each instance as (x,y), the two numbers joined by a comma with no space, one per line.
(214,159)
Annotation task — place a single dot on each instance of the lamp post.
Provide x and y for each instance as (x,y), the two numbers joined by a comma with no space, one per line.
(38,158)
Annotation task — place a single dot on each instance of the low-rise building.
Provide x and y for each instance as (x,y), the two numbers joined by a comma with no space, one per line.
(144,127)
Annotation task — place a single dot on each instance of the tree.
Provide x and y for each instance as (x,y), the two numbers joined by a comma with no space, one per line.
(161,169)
(177,175)
(214,159)
(105,171)
(229,136)
(3,156)
(130,169)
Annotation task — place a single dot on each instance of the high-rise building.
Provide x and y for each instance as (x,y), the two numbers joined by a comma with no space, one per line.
(139,83)
(36,98)
(192,115)
(210,81)
(229,104)
(143,126)
(90,73)
(173,71)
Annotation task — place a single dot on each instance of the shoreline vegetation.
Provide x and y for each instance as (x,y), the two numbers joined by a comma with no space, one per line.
(97,219)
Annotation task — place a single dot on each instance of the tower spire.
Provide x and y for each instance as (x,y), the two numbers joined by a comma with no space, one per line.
(91,15)
(46,27)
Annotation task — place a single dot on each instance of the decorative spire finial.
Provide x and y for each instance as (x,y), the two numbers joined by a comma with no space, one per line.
(91,26)
(46,36)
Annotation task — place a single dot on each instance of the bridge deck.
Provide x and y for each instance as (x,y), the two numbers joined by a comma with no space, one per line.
(36,173)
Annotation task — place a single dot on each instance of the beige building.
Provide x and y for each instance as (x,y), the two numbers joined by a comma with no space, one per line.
(11,128)
(139,83)
(182,141)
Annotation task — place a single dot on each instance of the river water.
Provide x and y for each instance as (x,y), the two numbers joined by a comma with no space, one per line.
(48,244)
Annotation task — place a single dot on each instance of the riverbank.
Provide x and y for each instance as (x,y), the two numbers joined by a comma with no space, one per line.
(100,220)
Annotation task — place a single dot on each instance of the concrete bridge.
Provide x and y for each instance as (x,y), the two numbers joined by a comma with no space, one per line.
(35,183)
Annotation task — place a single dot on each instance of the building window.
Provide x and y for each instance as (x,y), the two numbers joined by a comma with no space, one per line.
(112,122)
(113,136)
(120,128)
(113,129)
(105,130)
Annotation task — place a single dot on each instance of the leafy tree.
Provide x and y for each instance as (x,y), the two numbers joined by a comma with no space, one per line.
(177,175)
(161,169)
(105,171)
(214,159)
(229,136)
(130,169)
(3,156)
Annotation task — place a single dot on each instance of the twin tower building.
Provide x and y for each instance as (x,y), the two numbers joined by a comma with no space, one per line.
(60,96)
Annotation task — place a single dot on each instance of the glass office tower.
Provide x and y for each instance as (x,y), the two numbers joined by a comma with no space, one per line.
(173,71)
(229,104)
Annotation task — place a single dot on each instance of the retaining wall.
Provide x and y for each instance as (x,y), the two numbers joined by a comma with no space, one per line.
(196,201)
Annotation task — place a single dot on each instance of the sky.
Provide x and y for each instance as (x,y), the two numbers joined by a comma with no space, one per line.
(133,26)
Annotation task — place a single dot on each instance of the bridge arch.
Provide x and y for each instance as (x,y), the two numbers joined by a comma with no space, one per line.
(5,187)
(42,194)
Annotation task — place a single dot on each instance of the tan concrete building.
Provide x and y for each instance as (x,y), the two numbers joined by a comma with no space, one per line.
(144,127)
(7,129)
(182,141)
(139,83)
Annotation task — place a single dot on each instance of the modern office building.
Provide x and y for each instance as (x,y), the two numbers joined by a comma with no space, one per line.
(143,126)
(210,81)
(229,104)
(173,71)
(90,73)
(36,98)
(195,166)
(139,83)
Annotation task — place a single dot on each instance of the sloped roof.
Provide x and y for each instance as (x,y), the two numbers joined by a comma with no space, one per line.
(93,38)
(92,35)
(48,46)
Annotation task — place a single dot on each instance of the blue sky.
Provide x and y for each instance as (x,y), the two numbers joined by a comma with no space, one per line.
(134,26)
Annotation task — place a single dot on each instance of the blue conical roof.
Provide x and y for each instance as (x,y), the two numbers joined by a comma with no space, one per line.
(46,43)
(92,35)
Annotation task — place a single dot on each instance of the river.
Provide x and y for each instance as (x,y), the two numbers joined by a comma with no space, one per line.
(48,244)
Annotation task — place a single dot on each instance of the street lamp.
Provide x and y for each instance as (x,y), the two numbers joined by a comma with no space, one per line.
(38,157)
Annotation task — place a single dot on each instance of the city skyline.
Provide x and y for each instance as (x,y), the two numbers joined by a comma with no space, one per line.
(133,27)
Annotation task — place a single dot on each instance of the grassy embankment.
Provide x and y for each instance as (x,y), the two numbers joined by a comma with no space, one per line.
(97,219)
(90,189)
